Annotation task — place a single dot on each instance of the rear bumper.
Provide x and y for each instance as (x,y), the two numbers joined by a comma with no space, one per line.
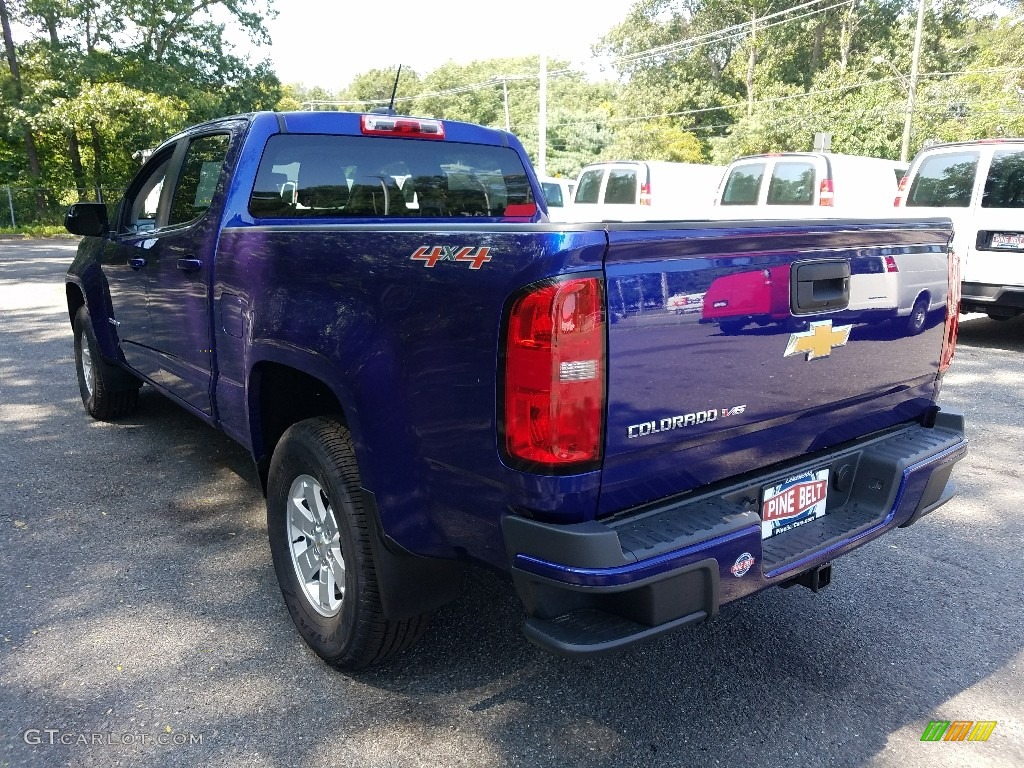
(594,587)
(997,299)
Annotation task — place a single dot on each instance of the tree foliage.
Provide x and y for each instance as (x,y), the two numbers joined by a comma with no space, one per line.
(692,81)
(100,81)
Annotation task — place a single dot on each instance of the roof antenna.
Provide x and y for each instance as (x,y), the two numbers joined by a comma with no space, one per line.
(390,108)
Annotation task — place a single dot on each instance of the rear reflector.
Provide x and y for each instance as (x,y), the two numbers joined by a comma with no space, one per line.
(378,125)
(554,377)
(826,193)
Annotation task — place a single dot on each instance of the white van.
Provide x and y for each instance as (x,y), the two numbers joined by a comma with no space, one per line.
(645,190)
(980,186)
(807,185)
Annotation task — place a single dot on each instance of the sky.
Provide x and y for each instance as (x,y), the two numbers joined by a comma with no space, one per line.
(328,42)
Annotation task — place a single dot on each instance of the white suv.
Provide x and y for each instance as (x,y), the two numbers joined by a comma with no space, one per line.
(980,186)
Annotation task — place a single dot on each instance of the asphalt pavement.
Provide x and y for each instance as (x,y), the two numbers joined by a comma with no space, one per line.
(141,623)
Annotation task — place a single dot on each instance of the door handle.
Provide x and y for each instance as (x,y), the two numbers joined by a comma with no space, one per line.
(189,265)
(137,263)
(819,285)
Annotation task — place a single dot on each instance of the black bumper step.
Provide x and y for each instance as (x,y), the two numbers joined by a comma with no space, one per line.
(592,632)
(806,540)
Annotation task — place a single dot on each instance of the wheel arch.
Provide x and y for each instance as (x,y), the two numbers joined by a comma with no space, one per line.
(279,395)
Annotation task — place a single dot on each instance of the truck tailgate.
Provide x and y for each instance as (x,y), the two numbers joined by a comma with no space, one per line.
(771,355)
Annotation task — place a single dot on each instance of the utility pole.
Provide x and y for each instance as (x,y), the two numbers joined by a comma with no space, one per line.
(751,61)
(542,119)
(504,90)
(912,89)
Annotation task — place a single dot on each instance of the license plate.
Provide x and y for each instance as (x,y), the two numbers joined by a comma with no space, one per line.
(793,503)
(1013,241)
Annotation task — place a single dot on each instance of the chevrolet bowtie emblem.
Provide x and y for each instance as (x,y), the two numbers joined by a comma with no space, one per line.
(819,340)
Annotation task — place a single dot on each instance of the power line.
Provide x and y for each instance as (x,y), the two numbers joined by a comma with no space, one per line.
(791,97)
(734,31)
(731,32)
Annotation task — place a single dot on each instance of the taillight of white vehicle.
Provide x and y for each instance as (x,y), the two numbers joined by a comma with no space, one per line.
(386,125)
(952,326)
(890,264)
(554,377)
(645,193)
(898,200)
(826,194)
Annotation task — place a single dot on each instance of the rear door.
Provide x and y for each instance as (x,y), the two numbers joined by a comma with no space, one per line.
(752,379)
(997,231)
(620,195)
(741,188)
(944,183)
(181,265)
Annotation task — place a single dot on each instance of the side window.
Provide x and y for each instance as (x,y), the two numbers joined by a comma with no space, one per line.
(198,178)
(589,187)
(621,189)
(143,204)
(791,184)
(743,185)
(944,181)
(1004,187)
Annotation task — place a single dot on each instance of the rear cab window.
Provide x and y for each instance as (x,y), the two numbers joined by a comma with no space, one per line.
(792,183)
(326,176)
(944,181)
(1004,185)
(743,185)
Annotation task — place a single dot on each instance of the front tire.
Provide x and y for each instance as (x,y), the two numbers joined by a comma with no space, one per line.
(102,398)
(320,531)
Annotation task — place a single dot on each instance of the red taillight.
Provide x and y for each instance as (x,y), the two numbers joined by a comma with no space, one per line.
(952,325)
(554,375)
(890,264)
(825,193)
(380,125)
(898,200)
(645,194)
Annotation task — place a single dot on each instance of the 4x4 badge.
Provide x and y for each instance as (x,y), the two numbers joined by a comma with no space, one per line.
(819,340)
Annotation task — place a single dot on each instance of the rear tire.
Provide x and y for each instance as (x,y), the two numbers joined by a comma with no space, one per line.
(918,317)
(731,327)
(320,531)
(102,397)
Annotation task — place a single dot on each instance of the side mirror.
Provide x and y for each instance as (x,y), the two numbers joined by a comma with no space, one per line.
(88,219)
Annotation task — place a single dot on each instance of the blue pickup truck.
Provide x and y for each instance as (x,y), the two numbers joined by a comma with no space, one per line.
(430,374)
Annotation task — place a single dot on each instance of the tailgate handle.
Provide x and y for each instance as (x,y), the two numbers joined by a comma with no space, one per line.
(819,285)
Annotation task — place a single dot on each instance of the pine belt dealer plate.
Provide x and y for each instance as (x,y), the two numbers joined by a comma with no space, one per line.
(793,503)
(1009,241)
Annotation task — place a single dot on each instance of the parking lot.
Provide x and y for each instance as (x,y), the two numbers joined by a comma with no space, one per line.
(142,623)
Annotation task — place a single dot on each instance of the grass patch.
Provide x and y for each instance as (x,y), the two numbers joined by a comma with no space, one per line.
(35,230)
